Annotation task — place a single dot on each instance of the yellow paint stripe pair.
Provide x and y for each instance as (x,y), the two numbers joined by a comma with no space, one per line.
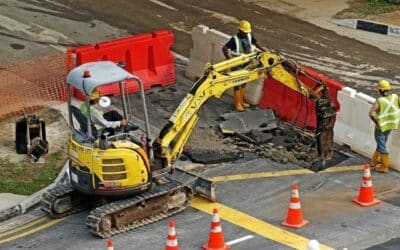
(28,232)
(282,173)
(254,225)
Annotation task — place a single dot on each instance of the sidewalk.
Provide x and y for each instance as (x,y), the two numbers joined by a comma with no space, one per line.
(8,200)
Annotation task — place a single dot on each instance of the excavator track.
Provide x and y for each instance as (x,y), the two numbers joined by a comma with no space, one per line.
(161,201)
(62,200)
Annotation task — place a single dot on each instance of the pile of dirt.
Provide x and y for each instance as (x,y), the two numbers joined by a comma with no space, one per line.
(206,145)
(286,144)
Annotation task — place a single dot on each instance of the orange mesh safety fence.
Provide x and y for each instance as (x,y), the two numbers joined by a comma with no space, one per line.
(32,84)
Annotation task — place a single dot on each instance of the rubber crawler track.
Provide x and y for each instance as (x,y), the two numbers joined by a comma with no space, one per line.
(53,194)
(95,216)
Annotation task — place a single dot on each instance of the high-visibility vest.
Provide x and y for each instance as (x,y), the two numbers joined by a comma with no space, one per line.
(239,46)
(84,111)
(389,112)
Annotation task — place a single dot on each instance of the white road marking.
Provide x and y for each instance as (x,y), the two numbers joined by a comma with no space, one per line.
(233,242)
(163,5)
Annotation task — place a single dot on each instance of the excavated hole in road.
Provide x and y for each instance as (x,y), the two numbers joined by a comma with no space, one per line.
(286,144)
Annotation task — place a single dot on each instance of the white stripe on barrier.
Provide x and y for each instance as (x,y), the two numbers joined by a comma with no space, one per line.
(172,243)
(215,218)
(294,205)
(367,172)
(216,229)
(366,183)
(171,231)
(295,193)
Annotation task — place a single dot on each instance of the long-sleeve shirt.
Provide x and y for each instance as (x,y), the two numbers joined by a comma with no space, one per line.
(97,118)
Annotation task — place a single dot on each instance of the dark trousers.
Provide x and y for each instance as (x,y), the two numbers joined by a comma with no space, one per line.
(112,116)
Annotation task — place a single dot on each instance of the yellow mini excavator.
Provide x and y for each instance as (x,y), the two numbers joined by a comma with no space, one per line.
(128,179)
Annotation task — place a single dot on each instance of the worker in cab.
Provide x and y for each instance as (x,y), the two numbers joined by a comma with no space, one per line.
(102,118)
(241,43)
(385,113)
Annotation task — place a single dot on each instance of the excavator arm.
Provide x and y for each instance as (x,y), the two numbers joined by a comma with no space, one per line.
(214,82)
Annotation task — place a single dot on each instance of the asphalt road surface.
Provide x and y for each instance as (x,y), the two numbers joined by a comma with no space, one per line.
(326,197)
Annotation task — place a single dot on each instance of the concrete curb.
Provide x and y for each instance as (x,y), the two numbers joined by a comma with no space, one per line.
(360,24)
(33,199)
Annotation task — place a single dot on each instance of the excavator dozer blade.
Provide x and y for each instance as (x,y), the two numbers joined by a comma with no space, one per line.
(200,186)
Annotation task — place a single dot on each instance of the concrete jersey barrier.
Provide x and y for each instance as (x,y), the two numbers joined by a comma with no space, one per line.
(355,128)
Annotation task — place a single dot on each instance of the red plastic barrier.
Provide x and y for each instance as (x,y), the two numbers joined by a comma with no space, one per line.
(291,106)
(147,56)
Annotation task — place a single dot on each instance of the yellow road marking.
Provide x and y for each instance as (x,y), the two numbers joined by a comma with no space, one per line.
(34,230)
(343,169)
(34,222)
(237,177)
(292,172)
(254,225)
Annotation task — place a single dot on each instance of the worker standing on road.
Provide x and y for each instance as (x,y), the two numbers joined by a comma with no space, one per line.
(385,112)
(241,43)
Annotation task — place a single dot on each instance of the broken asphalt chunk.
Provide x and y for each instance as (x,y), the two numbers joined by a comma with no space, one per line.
(244,122)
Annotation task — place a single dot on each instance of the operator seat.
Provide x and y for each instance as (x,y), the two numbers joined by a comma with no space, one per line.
(82,120)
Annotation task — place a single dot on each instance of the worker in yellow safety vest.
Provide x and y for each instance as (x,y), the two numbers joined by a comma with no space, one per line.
(109,120)
(385,112)
(241,43)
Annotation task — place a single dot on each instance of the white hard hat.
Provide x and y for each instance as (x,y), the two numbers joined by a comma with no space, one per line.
(104,102)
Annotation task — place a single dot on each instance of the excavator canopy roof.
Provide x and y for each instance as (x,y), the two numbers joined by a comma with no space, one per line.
(101,73)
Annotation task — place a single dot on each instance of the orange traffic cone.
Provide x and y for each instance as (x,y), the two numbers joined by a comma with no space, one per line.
(172,242)
(110,245)
(294,216)
(366,195)
(216,237)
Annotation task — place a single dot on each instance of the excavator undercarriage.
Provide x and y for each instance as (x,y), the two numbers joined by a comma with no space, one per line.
(169,196)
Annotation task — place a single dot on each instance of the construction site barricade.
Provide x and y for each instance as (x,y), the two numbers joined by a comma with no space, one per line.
(207,48)
(147,56)
(32,84)
(342,129)
(353,125)
(355,128)
(394,148)
(292,106)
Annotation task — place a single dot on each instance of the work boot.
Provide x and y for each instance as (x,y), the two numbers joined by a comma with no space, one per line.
(374,159)
(238,103)
(384,167)
(244,104)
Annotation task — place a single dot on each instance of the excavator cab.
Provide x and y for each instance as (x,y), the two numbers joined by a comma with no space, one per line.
(102,163)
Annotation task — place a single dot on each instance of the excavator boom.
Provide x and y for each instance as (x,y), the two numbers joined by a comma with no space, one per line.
(228,74)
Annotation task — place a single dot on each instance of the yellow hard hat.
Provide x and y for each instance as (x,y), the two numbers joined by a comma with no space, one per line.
(94,95)
(384,85)
(245,26)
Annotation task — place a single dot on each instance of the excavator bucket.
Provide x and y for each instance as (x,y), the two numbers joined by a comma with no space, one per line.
(199,185)
(326,116)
